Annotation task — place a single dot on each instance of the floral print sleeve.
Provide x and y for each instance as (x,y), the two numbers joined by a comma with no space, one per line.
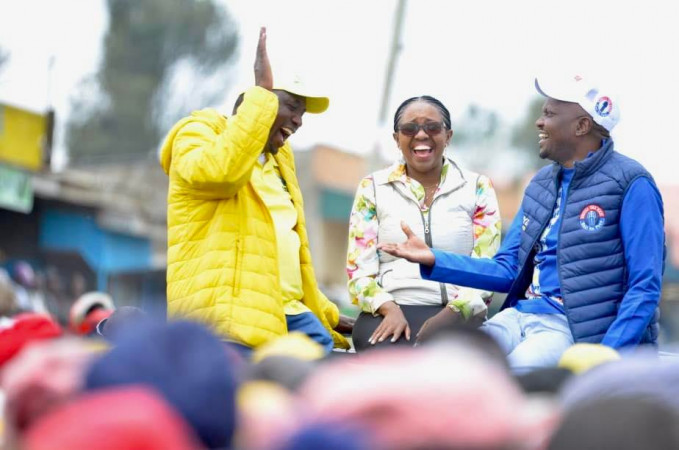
(487,231)
(362,261)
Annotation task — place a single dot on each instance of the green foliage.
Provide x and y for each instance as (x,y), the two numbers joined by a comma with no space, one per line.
(113,113)
(525,133)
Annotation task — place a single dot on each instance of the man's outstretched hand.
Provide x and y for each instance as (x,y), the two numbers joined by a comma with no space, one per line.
(263,74)
(413,249)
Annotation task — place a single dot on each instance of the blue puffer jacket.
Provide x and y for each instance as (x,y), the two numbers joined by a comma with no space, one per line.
(591,259)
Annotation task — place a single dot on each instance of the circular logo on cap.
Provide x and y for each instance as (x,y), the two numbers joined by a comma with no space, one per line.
(603,106)
(592,217)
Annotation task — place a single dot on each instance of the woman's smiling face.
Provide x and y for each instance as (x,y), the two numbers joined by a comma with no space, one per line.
(423,152)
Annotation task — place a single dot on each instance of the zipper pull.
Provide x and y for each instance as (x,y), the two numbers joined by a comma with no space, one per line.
(426,226)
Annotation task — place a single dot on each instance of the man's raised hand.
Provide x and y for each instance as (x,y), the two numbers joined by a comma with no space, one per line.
(263,74)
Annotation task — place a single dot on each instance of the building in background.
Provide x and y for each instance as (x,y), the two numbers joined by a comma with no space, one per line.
(81,229)
(25,143)
(328,178)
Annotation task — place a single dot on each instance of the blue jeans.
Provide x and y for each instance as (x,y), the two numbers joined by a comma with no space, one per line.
(309,324)
(530,341)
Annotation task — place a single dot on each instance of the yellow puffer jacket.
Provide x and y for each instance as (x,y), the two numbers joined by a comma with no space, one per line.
(222,266)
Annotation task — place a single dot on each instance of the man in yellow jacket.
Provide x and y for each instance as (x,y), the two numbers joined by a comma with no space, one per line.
(238,251)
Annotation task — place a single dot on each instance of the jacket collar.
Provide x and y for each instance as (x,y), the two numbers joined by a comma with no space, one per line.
(452,176)
(593,161)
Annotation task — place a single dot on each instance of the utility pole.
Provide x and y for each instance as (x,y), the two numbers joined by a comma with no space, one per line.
(388,80)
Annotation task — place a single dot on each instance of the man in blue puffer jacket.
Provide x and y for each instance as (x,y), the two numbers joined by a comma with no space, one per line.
(584,256)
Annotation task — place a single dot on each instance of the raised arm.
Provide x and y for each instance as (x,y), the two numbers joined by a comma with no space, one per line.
(215,159)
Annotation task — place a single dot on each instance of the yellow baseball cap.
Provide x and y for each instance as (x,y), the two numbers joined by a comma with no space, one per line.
(294,344)
(292,83)
(583,356)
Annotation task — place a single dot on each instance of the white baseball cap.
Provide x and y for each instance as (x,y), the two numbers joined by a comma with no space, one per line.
(599,104)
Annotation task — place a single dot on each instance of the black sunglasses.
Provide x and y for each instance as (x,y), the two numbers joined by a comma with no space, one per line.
(431,128)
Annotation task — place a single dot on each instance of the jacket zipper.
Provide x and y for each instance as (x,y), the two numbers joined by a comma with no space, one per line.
(240,243)
(426,220)
(428,239)
(268,213)
(558,245)
(427,232)
(236,274)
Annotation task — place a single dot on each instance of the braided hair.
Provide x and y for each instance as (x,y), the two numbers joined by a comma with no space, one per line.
(423,98)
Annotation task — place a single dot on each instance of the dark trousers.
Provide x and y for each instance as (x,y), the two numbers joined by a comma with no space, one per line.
(366,324)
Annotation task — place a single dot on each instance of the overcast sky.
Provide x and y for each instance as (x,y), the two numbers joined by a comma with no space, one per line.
(483,52)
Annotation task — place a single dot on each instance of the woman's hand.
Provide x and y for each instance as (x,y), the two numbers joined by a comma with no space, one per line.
(263,74)
(394,324)
(447,316)
(414,249)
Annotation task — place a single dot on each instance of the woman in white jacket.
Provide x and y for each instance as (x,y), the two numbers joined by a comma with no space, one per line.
(450,208)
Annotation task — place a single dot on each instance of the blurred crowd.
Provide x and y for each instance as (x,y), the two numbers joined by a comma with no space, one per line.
(121,378)
(47,290)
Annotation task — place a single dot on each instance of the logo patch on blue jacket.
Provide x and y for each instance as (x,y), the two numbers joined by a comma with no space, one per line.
(592,217)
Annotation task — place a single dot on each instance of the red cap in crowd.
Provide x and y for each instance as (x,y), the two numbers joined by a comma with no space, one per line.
(22,329)
(125,417)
